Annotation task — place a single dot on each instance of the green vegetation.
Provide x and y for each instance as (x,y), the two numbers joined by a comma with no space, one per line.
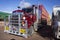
(4,15)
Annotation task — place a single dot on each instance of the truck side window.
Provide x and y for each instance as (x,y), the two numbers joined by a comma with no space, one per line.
(58,16)
(59,13)
(52,16)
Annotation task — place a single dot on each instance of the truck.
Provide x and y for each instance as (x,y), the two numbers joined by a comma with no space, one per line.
(25,21)
(56,22)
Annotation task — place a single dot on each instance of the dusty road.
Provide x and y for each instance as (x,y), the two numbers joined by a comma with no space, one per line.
(6,36)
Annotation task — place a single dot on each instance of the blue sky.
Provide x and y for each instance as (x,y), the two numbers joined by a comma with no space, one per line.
(10,5)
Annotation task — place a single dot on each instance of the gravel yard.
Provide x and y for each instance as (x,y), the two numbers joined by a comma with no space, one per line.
(6,36)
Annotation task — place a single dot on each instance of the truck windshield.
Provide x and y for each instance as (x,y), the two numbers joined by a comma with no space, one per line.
(28,10)
(58,16)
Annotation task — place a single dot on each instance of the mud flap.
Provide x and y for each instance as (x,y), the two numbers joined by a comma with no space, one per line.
(35,26)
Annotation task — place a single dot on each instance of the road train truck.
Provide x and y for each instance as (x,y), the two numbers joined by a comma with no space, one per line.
(25,21)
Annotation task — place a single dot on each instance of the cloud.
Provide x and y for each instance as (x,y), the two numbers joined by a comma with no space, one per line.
(24,4)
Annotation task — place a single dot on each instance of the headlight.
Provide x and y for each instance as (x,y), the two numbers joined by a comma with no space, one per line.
(23,24)
(24,18)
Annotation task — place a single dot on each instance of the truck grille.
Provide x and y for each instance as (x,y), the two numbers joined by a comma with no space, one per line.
(14,20)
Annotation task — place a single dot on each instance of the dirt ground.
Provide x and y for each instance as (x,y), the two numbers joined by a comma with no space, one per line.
(6,36)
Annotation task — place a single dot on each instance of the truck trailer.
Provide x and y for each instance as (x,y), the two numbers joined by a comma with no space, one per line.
(25,21)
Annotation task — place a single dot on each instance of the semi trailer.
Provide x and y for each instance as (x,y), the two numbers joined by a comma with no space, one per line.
(25,21)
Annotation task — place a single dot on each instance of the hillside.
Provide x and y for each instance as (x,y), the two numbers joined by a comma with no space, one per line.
(3,15)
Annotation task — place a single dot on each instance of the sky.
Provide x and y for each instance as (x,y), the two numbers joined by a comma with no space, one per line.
(10,5)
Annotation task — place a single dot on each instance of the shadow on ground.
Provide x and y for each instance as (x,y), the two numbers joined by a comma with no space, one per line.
(45,31)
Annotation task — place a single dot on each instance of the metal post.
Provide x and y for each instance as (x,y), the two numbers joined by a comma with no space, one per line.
(33,9)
